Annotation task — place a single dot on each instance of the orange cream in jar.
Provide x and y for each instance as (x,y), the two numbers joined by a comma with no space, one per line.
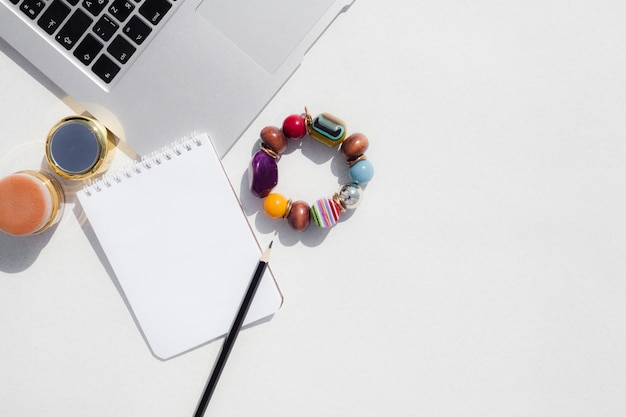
(30,202)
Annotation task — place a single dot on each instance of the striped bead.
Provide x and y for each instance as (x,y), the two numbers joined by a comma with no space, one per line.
(328,129)
(325,212)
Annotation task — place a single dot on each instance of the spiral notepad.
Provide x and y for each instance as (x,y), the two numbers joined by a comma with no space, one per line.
(178,241)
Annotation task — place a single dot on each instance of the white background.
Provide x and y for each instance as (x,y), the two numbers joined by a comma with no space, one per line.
(483,274)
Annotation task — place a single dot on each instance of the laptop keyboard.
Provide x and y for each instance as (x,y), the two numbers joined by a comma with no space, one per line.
(103,36)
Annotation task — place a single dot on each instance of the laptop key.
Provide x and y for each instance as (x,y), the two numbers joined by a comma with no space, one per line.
(32,8)
(87,49)
(154,10)
(105,27)
(53,16)
(95,6)
(137,30)
(121,9)
(121,49)
(73,29)
(105,68)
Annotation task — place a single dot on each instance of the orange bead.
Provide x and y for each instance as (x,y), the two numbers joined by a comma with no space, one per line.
(275,205)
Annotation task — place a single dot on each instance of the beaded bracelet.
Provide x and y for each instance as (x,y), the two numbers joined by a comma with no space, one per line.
(328,129)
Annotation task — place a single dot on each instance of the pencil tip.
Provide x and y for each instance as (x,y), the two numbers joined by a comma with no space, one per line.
(265,257)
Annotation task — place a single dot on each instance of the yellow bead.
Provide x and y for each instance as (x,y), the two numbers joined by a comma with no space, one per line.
(275,205)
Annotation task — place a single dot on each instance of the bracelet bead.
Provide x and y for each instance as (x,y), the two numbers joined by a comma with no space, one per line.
(299,216)
(351,194)
(294,127)
(274,138)
(276,205)
(362,172)
(328,129)
(262,174)
(354,145)
(325,212)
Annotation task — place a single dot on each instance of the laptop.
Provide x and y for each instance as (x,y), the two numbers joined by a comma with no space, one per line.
(156,70)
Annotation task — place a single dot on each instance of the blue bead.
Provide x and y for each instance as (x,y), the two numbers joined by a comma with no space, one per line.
(362,172)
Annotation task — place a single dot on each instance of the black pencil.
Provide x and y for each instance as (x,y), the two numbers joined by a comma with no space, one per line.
(227,346)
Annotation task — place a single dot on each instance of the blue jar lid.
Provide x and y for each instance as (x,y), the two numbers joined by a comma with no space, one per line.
(76,147)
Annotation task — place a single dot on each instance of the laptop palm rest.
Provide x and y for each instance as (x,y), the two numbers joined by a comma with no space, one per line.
(267,31)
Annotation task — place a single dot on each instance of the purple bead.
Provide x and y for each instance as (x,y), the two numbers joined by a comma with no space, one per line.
(262,174)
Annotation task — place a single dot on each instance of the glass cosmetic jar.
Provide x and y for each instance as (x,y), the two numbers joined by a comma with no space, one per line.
(30,203)
(78,147)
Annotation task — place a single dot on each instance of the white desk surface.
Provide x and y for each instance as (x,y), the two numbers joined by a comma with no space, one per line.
(483,275)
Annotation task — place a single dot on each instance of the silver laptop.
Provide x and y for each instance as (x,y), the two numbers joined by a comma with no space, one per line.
(155,70)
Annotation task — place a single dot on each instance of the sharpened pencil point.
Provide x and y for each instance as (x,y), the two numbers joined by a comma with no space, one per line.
(265,257)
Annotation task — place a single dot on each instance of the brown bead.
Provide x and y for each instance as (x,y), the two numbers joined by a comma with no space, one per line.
(274,138)
(356,144)
(299,216)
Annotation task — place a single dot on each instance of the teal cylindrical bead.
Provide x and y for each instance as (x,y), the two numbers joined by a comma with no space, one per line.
(361,172)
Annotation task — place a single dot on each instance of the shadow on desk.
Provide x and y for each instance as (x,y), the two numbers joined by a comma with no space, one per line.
(18,253)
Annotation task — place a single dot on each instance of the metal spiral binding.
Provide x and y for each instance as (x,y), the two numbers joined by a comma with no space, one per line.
(144,164)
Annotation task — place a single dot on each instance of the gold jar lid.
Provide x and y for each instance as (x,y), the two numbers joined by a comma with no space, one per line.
(77,147)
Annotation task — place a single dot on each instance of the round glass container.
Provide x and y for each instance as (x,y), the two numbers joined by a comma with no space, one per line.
(77,147)
(30,202)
